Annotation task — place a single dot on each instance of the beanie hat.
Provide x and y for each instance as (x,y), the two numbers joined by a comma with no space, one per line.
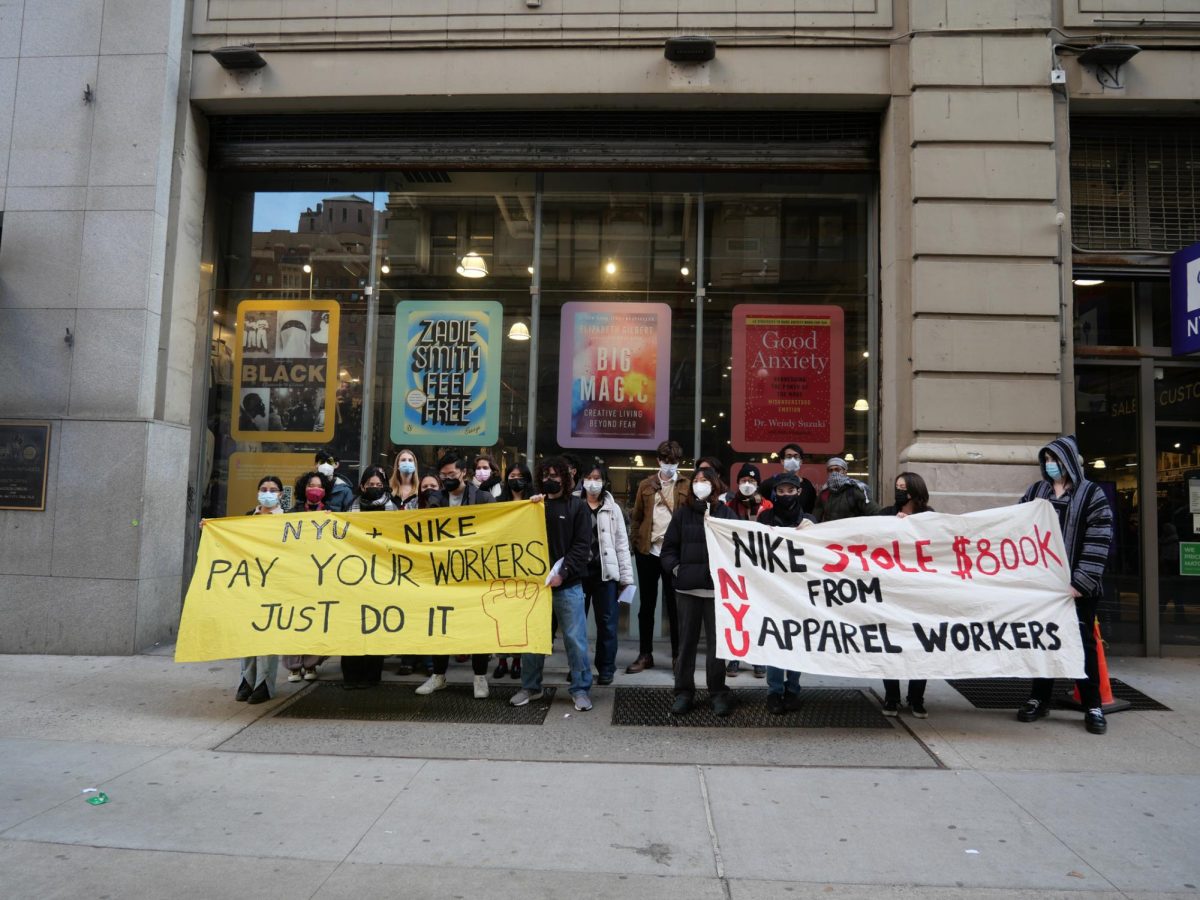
(749,469)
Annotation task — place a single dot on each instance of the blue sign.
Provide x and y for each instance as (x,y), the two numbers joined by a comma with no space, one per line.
(1185,301)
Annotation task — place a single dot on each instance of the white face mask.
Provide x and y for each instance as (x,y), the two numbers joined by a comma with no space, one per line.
(791,464)
(593,487)
(748,488)
(325,469)
(668,470)
(702,490)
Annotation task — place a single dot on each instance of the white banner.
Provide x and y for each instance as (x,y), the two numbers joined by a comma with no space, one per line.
(981,595)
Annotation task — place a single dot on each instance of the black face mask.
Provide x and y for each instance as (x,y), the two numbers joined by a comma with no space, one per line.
(450,485)
(427,495)
(372,494)
(518,485)
(788,504)
(551,487)
(901,498)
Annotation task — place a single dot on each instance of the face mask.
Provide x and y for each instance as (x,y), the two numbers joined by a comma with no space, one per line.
(1054,470)
(482,475)
(668,470)
(450,485)
(593,487)
(314,495)
(787,503)
(838,480)
(702,490)
(518,485)
(551,486)
(427,495)
(372,494)
(325,469)
(268,499)
(791,464)
(406,467)
(901,497)
(748,488)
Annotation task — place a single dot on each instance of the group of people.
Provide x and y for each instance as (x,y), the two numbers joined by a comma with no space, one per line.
(664,542)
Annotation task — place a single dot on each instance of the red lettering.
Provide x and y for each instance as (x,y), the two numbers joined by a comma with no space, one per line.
(745,642)
(882,558)
(923,558)
(899,559)
(1043,541)
(858,550)
(738,614)
(728,584)
(843,559)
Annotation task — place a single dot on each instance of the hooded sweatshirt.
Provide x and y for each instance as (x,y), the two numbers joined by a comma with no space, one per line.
(1083,514)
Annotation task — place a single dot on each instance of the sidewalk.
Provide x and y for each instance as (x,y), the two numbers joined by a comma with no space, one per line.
(211,799)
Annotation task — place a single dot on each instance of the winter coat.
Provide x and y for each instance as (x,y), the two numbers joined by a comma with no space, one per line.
(743,509)
(846,503)
(615,564)
(341,498)
(388,505)
(685,549)
(643,508)
(569,533)
(772,517)
(472,496)
(1083,512)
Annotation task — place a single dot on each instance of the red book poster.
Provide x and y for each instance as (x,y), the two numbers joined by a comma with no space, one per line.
(788,378)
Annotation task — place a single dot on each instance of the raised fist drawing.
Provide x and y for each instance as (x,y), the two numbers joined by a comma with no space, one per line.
(509,604)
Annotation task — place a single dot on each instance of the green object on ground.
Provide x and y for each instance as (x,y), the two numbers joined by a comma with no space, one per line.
(99,800)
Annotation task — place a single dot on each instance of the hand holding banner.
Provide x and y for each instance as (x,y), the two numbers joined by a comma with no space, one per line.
(981,595)
(465,579)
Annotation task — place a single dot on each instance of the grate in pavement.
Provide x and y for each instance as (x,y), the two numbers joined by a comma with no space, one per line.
(398,703)
(819,708)
(1010,693)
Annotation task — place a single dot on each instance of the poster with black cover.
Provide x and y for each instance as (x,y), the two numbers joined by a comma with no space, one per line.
(24,455)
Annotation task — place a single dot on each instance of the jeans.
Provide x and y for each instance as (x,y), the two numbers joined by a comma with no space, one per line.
(602,597)
(258,670)
(777,677)
(568,607)
(695,612)
(649,571)
(916,689)
(1089,687)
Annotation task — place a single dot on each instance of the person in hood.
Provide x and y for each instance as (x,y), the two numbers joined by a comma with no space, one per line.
(1087,527)
(341,495)
(791,456)
(783,685)
(842,497)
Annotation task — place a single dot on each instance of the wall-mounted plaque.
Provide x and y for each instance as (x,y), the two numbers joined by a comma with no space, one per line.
(24,462)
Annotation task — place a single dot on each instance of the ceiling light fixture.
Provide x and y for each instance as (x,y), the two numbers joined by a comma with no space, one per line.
(518,332)
(472,266)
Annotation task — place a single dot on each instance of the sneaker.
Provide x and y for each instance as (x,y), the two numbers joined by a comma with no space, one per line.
(918,709)
(523,696)
(1094,721)
(891,707)
(760,671)
(293,677)
(732,668)
(501,668)
(582,701)
(432,683)
(310,674)
(682,705)
(405,668)
(723,704)
(604,679)
(481,687)
(775,704)
(1032,711)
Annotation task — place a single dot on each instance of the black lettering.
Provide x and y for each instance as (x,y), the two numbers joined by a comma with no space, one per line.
(1035,635)
(996,633)
(796,558)
(894,648)
(292,527)
(327,604)
(375,625)
(960,636)
(213,570)
(977,640)
(1052,633)
(264,572)
(270,608)
(791,629)
(1020,639)
(931,640)
(351,581)
(306,615)
(769,627)
(321,566)
(740,547)
(870,637)
(829,634)
(848,634)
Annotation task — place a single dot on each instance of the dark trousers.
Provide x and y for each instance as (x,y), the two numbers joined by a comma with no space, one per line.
(601,596)
(1089,687)
(362,669)
(916,690)
(692,612)
(649,571)
(479,664)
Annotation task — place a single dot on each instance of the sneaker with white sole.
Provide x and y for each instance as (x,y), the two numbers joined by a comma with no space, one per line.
(310,674)
(293,677)
(523,696)
(432,683)
(481,687)
(582,701)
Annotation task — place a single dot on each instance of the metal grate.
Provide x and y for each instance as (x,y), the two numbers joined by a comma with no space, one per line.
(819,708)
(1135,185)
(1010,693)
(398,703)
(531,138)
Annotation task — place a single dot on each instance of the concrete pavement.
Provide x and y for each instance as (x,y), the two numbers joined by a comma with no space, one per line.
(211,798)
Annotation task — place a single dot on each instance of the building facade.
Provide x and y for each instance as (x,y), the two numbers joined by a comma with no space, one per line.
(972,216)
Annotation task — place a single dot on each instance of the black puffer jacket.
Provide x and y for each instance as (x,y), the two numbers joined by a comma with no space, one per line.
(684,549)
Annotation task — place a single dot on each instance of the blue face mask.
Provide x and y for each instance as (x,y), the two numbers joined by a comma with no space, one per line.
(406,467)
(1054,470)
(268,499)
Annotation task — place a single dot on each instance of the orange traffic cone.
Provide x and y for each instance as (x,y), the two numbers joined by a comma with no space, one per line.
(1108,702)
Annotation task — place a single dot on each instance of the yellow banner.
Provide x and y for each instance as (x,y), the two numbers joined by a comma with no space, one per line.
(436,581)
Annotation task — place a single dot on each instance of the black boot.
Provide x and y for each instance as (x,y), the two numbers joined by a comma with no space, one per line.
(243,692)
(259,694)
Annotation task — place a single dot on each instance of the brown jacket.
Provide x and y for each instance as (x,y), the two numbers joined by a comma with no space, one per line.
(642,521)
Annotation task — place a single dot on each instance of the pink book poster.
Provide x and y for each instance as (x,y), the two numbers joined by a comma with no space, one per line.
(788,378)
(612,389)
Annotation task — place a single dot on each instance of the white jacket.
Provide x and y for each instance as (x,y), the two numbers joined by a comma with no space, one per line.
(615,563)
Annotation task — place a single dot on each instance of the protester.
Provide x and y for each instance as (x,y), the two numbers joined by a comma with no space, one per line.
(783,685)
(911,497)
(567,530)
(714,465)
(842,497)
(1087,529)
(429,492)
(312,492)
(609,569)
(746,502)
(487,475)
(791,457)
(657,498)
(457,490)
(685,556)
(259,672)
(341,493)
(403,481)
(362,671)
(517,485)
